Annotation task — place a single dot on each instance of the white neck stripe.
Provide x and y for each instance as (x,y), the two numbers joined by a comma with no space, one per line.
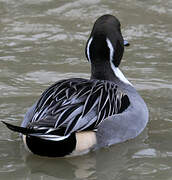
(119,74)
(88,48)
(111,49)
(116,70)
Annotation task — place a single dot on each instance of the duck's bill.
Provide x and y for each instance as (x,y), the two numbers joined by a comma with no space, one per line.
(126,43)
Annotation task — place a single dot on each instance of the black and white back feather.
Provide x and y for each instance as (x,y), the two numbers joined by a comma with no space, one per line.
(75,105)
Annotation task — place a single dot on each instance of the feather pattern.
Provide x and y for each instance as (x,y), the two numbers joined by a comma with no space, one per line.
(75,105)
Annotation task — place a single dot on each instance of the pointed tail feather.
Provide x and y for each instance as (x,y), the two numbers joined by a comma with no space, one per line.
(18,129)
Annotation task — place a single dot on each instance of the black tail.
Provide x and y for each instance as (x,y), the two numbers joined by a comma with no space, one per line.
(46,144)
(18,129)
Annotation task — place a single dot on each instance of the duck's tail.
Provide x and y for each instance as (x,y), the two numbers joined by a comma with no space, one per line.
(45,143)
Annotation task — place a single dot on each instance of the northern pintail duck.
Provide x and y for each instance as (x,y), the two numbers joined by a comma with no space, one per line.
(75,115)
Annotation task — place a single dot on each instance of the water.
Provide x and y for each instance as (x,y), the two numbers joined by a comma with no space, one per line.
(43,41)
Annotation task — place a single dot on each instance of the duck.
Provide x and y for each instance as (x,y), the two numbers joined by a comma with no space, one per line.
(74,116)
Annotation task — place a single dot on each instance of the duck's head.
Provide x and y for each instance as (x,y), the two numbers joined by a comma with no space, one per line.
(105,46)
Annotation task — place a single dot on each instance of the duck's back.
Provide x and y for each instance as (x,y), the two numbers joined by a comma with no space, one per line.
(78,104)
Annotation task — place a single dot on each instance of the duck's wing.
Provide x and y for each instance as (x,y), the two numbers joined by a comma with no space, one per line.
(75,105)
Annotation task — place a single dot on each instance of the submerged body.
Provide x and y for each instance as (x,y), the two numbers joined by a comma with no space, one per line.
(76,115)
